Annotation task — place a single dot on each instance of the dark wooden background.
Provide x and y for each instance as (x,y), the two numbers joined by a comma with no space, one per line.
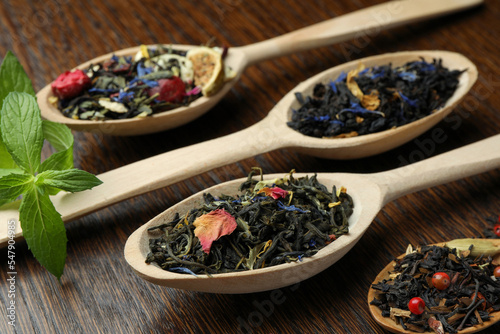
(99,293)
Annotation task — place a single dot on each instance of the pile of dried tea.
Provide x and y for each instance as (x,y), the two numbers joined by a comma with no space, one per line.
(157,79)
(369,100)
(271,222)
(440,289)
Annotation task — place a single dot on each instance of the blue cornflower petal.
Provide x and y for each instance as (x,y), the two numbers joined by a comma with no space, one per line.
(335,121)
(122,96)
(99,90)
(333,83)
(342,76)
(115,58)
(300,258)
(150,83)
(377,73)
(333,86)
(259,198)
(290,208)
(312,242)
(358,109)
(410,102)
(182,270)
(363,72)
(141,70)
(408,76)
(318,118)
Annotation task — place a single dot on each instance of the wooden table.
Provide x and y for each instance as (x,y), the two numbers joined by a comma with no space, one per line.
(98,292)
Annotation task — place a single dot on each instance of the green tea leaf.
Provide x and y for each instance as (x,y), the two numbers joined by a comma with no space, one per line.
(61,138)
(43,230)
(72,180)
(21,126)
(13,185)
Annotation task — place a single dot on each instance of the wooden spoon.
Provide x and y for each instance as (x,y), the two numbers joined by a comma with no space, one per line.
(269,134)
(370,192)
(393,327)
(356,24)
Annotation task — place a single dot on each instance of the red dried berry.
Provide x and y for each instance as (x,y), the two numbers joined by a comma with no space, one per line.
(170,90)
(496,271)
(441,281)
(70,84)
(496,230)
(416,305)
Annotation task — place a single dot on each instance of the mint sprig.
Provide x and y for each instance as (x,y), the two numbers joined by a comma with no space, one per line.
(22,173)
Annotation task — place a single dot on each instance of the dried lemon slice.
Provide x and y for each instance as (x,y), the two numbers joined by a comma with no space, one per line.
(208,69)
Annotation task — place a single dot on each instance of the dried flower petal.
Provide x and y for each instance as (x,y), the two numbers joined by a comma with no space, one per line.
(436,325)
(353,85)
(371,102)
(275,192)
(212,226)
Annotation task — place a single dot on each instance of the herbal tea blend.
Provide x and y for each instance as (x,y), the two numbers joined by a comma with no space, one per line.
(369,100)
(440,289)
(157,79)
(270,223)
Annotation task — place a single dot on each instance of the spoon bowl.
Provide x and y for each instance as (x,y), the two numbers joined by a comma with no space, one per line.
(238,58)
(269,134)
(391,326)
(138,126)
(370,192)
(362,191)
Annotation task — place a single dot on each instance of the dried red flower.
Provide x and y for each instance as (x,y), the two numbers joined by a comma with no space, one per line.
(70,84)
(171,90)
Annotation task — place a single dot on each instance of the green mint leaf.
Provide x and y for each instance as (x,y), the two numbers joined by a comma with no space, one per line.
(13,185)
(61,138)
(5,158)
(43,230)
(13,78)
(72,180)
(7,171)
(4,172)
(21,127)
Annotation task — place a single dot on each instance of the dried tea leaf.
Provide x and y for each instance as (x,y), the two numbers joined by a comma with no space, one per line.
(212,226)
(397,312)
(252,255)
(113,106)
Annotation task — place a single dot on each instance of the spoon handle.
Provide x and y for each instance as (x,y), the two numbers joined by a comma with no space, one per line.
(362,24)
(154,173)
(469,160)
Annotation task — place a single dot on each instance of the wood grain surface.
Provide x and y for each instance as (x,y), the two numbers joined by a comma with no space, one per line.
(98,292)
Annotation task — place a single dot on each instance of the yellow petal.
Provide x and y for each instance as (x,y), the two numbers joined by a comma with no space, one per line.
(370,102)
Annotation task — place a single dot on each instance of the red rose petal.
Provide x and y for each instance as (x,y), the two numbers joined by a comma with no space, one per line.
(212,226)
